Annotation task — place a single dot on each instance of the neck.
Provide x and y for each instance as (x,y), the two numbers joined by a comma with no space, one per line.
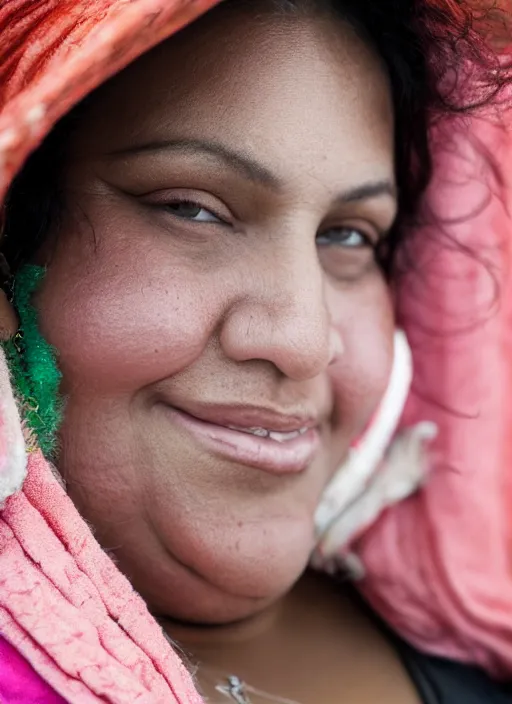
(196,635)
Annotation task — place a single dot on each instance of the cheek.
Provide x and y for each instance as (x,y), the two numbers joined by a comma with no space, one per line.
(121,319)
(360,379)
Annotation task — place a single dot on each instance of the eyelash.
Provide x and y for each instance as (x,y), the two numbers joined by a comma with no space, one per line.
(366,240)
(216,219)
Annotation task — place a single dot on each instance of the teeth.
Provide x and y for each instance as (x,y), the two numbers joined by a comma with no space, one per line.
(273,435)
(284,437)
(260,432)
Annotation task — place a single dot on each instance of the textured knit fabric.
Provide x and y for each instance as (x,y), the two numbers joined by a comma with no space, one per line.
(70,612)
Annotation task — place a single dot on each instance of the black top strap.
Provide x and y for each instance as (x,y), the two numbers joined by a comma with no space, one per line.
(437,680)
(441,681)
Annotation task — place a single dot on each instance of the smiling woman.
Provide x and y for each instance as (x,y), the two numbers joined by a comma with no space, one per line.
(189,329)
(213,231)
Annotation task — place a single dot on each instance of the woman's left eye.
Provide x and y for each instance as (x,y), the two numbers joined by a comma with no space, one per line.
(188,210)
(344,237)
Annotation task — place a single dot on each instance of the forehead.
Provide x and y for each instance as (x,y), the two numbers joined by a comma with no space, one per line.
(308,91)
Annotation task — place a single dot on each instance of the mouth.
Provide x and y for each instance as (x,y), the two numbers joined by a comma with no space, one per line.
(275,443)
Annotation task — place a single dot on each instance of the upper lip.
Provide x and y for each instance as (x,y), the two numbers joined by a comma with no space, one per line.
(243,416)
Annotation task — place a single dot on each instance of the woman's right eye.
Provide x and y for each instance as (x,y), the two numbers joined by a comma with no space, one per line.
(189,210)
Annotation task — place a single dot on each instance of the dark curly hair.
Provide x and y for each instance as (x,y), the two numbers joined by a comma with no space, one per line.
(440,62)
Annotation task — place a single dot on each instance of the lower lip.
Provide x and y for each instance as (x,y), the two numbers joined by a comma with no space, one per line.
(291,457)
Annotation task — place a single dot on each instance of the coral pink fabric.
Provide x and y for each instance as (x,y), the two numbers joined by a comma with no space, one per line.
(439,564)
(69,611)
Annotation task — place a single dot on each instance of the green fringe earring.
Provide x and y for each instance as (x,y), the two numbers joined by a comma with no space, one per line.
(33,364)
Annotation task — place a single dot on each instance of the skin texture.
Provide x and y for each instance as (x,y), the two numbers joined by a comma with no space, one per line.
(279,305)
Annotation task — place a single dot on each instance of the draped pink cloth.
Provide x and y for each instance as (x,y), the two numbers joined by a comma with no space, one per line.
(68,610)
(439,564)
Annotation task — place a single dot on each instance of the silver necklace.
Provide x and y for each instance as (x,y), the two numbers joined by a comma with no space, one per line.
(238,691)
(235,689)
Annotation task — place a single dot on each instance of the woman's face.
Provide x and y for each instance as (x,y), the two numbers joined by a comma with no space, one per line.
(214,279)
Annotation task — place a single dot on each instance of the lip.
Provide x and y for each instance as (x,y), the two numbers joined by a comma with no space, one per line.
(283,458)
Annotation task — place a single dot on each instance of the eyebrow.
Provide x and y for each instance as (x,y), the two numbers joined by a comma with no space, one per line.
(372,189)
(242,163)
(250,168)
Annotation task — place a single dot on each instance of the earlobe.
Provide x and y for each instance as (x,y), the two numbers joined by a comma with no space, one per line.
(8,318)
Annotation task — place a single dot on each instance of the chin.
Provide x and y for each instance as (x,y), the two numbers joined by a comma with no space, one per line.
(220,583)
(196,600)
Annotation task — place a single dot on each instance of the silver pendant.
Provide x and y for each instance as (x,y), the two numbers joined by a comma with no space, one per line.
(234,689)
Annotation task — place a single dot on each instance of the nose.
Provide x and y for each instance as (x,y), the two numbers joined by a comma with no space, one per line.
(282,316)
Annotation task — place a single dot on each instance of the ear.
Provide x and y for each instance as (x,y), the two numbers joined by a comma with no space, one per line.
(8,318)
